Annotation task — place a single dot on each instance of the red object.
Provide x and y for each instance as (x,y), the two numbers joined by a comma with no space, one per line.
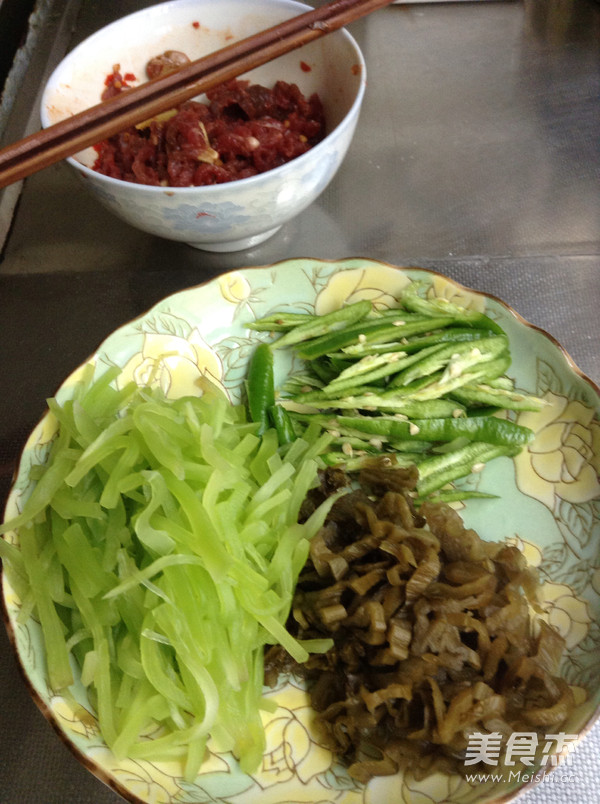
(115,82)
(243,130)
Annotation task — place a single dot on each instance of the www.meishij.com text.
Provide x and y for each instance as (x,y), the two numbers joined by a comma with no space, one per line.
(521,777)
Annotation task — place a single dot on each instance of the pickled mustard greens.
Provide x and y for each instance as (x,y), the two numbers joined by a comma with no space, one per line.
(160,547)
(436,632)
(422,380)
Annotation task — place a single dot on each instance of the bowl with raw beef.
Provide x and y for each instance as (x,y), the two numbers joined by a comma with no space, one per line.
(225,170)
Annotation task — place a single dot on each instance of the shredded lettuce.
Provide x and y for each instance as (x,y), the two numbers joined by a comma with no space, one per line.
(160,548)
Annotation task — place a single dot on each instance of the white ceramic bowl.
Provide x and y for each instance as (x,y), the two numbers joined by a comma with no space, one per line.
(239,214)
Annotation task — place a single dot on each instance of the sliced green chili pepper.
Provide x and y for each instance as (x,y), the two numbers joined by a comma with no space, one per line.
(365,348)
(372,368)
(353,463)
(373,330)
(458,496)
(456,358)
(500,397)
(323,370)
(301,384)
(260,386)
(418,447)
(323,324)
(449,335)
(369,399)
(357,443)
(441,306)
(437,471)
(423,380)
(442,384)
(283,424)
(501,382)
(482,428)
(280,322)
(479,410)
(337,429)
(490,429)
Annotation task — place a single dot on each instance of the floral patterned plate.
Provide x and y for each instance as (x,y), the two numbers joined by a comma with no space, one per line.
(549,504)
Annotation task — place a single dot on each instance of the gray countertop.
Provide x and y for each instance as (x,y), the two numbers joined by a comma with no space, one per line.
(477,153)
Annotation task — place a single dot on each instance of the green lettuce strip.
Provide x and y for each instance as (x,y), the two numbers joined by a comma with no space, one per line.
(159,548)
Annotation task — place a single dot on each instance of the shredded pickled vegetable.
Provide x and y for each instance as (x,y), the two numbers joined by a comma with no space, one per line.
(160,548)
(436,633)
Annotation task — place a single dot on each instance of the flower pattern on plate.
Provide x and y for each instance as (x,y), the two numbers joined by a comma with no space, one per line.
(179,364)
(563,461)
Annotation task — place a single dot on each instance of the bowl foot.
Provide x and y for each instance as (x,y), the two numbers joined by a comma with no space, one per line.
(236,245)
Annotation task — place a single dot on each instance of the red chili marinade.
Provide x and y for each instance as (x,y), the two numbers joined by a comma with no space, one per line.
(243,129)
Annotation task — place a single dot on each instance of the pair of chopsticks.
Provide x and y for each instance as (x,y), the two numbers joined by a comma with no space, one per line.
(44,148)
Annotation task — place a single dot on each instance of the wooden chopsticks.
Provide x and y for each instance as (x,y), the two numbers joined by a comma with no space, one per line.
(50,145)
